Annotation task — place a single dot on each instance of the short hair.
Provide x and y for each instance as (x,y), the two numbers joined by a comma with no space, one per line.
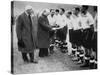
(70,12)
(77,8)
(85,6)
(62,9)
(95,8)
(57,10)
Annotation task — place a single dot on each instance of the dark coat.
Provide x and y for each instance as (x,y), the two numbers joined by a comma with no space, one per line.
(43,32)
(26,32)
(35,30)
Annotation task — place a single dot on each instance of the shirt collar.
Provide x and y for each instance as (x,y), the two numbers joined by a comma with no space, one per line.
(26,13)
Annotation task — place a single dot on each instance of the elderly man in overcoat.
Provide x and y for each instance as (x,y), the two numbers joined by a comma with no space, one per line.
(26,29)
(43,33)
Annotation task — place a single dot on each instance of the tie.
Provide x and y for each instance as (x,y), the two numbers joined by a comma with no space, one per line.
(29,16)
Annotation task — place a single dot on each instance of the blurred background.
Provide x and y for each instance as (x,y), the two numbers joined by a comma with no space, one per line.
(19,6)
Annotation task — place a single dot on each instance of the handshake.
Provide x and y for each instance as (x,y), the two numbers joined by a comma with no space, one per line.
(55,27)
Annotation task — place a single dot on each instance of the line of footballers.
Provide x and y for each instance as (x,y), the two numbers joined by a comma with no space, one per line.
(77,34)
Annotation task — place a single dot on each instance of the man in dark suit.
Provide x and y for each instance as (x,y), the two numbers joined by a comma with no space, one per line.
(24,29)
(43,33)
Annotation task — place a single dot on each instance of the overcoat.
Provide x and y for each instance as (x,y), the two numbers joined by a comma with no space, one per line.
(43,32)
(27,32)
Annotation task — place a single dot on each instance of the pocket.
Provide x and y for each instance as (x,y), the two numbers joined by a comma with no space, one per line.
(21,44)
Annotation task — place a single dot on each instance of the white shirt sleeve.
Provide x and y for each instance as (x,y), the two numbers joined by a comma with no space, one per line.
(69,23)
(51,20)
(56,17)
(95,23)
(62,21)
(90,19)
(48,18)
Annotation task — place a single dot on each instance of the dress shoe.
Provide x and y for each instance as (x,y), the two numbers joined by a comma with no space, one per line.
(79,62)
(41,55)
(32,61)
(26,61)
(86,64)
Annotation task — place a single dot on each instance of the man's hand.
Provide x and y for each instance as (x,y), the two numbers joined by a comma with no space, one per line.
(53,28)
(81,30)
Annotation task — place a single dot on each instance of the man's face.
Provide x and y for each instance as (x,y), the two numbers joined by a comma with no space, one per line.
(29,11)
(61,12)
(57,13)
(84,10)
(46,13)
(52,12)
(76,12)
(68,15)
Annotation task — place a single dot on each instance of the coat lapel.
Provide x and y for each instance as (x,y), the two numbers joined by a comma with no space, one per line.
(26,18)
